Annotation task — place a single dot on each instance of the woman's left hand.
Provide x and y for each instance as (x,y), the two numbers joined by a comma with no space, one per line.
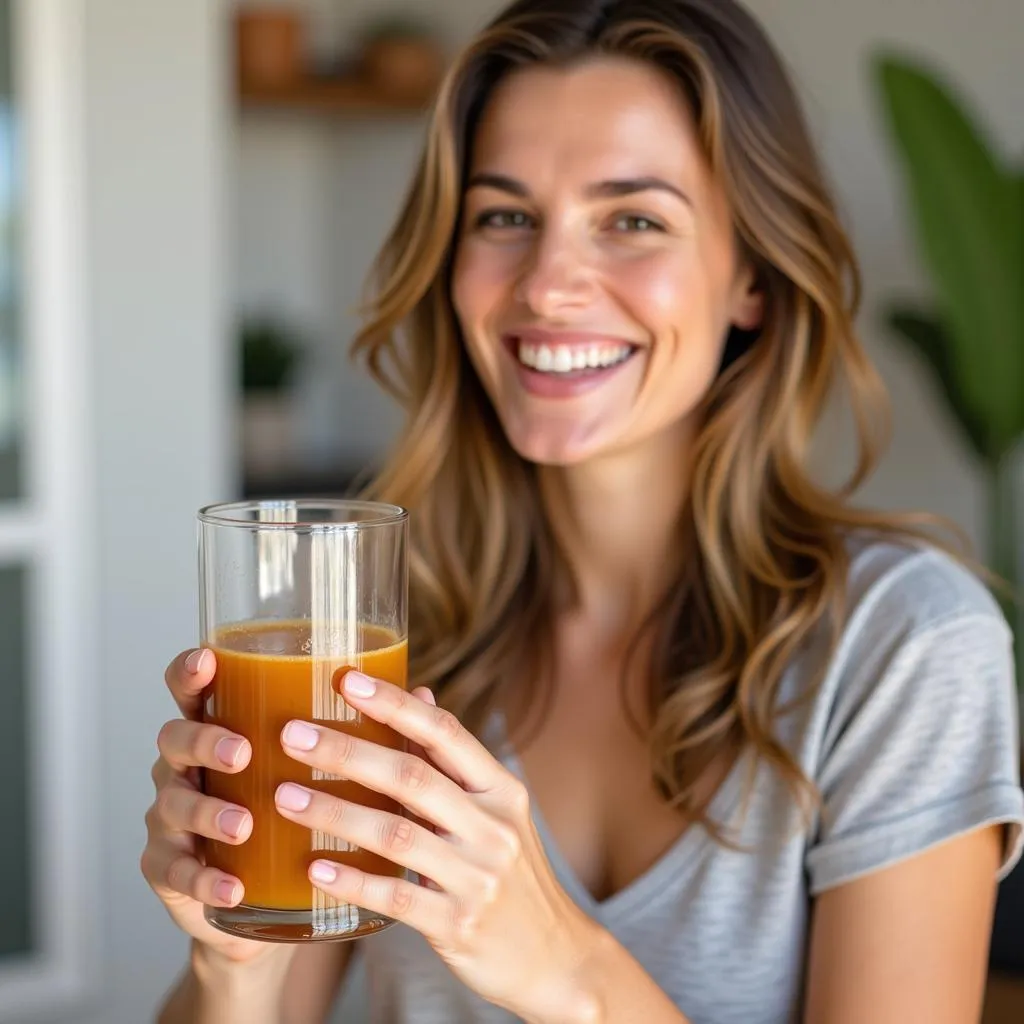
(495,912)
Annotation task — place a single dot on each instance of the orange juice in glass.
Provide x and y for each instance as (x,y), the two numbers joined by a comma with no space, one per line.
(294,593)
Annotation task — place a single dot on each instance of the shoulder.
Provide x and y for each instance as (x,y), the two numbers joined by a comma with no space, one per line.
(901,591)
(913,736)
(921,637)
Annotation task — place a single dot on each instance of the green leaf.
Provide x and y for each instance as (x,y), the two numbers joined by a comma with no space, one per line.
(970,229)
(930,339)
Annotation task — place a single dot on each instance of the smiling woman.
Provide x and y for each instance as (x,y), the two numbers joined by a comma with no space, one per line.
(715,744)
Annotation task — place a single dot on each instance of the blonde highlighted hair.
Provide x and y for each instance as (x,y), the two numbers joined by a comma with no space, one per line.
(765,545)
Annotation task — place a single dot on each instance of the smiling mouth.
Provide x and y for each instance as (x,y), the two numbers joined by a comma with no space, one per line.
(566,359)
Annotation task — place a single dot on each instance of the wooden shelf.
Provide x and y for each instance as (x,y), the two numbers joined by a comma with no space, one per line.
(341,96)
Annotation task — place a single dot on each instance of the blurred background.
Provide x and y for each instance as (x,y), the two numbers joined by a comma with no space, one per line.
(191,193)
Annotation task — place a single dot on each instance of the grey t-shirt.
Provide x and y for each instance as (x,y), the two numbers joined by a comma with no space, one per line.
(912,738)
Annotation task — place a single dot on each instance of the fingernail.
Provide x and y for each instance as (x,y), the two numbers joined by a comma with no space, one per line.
(233,821)
(300,736)
(359,685)
(226,892)
(229,750)
(196,660)
(323,871)
(292,797)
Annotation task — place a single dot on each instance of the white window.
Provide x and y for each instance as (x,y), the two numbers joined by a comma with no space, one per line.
(48,909)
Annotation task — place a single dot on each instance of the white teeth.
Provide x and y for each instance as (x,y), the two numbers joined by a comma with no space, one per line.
(563,360)
(566,358)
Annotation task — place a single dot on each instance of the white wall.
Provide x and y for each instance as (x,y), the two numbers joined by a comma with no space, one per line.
(155,253)
(313,198)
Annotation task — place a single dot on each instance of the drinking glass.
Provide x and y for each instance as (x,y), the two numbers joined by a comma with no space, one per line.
(294,593)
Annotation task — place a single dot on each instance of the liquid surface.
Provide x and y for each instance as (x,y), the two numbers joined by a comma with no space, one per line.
(268,673)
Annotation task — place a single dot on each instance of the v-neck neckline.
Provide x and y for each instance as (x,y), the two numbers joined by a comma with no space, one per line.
(650,883)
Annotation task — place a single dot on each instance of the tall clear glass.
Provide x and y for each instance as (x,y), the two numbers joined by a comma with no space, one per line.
(293,593)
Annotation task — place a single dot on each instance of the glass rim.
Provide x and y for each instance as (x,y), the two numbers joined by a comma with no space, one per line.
(228,514)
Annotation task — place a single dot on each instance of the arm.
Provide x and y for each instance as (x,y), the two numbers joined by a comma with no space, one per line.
(299,990)
(909,942)
(920,762)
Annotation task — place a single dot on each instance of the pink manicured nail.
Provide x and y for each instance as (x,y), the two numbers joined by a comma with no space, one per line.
(292,797)
(233,821)
(196,660)
(323,871)
(229,750)
(300,736)
(359,685)
(226,892)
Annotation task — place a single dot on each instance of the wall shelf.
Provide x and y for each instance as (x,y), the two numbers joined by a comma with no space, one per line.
(342,96)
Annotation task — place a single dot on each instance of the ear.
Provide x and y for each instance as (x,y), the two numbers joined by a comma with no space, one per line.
(747,300)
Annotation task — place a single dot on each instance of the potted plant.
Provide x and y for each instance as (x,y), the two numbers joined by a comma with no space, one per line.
(270,354)
(967,206)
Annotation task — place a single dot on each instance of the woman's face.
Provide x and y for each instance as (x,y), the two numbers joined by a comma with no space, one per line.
(596,275)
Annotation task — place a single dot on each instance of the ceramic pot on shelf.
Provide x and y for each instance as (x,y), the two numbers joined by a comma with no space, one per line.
(403,68)
(269,47)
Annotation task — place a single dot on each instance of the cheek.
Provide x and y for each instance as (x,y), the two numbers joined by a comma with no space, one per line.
(482,279)
(676,302)
(667,296)
(478,290)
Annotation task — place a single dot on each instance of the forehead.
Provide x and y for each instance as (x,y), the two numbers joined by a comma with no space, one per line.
(605,117)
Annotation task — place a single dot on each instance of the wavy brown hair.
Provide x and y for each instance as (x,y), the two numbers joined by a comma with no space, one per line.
(766,560)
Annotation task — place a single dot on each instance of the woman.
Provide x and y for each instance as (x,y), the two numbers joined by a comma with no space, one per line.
(719,746)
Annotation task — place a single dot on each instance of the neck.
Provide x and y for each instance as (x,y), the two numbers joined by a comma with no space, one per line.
(617,521)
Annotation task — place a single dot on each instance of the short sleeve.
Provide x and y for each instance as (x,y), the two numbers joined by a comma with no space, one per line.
(924,747)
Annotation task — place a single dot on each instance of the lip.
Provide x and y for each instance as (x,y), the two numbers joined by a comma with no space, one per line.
(567,385)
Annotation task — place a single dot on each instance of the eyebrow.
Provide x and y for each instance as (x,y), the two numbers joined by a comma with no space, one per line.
(599,190)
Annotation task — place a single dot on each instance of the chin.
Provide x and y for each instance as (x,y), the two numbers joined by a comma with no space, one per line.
(555,444)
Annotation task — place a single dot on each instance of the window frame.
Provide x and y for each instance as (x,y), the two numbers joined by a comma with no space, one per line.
(51,528)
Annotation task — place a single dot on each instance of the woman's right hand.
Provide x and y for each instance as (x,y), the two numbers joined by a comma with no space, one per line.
(181,812)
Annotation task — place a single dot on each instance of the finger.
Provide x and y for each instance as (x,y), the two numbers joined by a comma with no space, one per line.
(182,809)
(185,744)
(398,839)
(427,696)
(451,746)
(426,910)
(163,774)
(168,871)
(402,776)
(187,676)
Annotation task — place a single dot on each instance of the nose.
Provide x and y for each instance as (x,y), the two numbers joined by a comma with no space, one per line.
(557,276)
